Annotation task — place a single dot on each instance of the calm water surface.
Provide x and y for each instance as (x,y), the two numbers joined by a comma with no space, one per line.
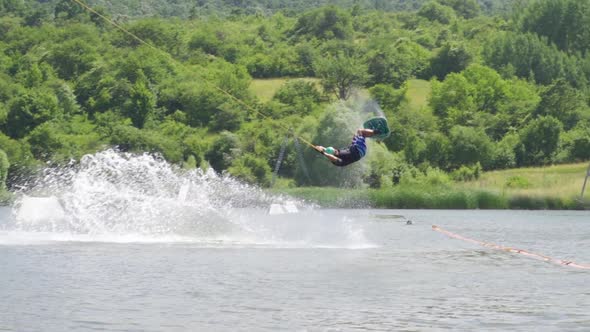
(319,270)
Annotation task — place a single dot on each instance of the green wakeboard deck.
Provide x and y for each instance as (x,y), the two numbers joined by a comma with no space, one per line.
(380,124)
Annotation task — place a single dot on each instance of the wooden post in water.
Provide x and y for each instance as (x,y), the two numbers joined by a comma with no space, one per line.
(585,181)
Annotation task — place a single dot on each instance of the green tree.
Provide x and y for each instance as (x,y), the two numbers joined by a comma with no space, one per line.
(195,146)
(129,138)
(94,89)
(229,116)
(531,57)
(453,102)
(480,97)
(464,8)
(434,11)
(263,138)
(223,151)
(470,146)
(4,165)
(306,57)
(19,154)
(565,23)
(73,57)
(36,18)
(65,9)
(11,6)
(540,140)
(206,40)
(453,57)
(44,141)
(293,91)
(388,97)
(580,149)
(60,141)
(341,74)
(386,168)
(252,170)
(438,150)
(301,97)
(414,147)
(561,101)
(157,32)
(3,115)
(30,110)
(395,64)
(574,145)
(515,110)
(141,102)
(66,98)
(504,155)
(151,63)
(197,100)
(231,78)
(325,23)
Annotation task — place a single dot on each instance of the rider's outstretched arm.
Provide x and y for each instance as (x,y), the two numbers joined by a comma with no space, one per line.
(331,157)
(366,132)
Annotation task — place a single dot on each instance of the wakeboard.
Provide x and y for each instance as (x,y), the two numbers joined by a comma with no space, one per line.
(380,124)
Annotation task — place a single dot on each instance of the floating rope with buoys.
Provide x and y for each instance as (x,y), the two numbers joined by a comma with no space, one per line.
(216,87)
(513,250)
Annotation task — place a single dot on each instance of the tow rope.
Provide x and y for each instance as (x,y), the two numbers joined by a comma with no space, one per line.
(513,250)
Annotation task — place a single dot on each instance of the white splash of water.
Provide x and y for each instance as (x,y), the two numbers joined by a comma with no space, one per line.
(120,197)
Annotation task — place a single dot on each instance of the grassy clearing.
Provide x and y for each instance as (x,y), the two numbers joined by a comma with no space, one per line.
(418,94)
(555,188)
(418,90)
(265,89)
(563,181)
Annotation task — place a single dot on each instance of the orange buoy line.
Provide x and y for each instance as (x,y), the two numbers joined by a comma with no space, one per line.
(513,250)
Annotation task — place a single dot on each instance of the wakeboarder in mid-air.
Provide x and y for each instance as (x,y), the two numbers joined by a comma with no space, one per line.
(353,153)
(375,127)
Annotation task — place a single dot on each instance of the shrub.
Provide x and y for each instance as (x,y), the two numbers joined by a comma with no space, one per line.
(488,200)
(517,182)
(129,138)
(467,173)
(291,92)
(222,151)
(470,146)
(503,156)
(252,170)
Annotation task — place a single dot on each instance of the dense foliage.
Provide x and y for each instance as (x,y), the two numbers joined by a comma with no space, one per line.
(502,91)
(206,8)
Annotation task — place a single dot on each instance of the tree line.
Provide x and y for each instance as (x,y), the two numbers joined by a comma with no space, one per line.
(225,8)
(504,91)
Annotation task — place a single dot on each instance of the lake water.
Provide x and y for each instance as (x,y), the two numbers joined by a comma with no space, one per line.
(317,270)
(124,242)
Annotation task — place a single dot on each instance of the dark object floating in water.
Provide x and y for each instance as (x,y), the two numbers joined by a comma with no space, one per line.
(409,222)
